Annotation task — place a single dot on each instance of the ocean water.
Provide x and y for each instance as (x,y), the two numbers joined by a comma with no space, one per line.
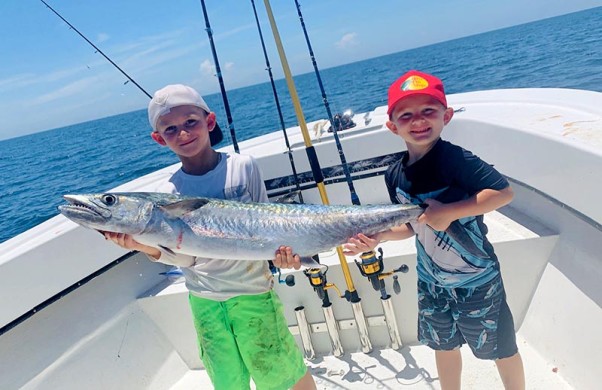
(36,170)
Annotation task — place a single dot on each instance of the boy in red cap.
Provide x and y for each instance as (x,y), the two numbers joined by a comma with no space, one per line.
(461,297)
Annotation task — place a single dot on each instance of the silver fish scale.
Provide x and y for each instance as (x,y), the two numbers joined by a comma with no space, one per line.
(254,231)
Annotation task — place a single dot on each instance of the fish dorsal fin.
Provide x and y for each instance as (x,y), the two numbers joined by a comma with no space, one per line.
(182,207)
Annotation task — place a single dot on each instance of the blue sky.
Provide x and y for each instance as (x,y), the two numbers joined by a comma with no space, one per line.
(50,77)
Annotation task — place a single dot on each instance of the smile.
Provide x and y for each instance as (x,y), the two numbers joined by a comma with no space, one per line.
(188,142)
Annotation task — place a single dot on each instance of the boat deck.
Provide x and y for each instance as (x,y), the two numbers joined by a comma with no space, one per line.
(410,367)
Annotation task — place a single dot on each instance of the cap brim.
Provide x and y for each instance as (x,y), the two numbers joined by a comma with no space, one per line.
(216,136)
(412,93)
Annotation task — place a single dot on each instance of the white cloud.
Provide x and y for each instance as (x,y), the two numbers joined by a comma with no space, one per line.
(25,80)
(207,68)
(347,41)
(72,89)
(146,53)
(102,37)
(17,81)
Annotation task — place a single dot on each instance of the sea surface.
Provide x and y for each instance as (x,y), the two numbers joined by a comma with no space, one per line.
(36,170)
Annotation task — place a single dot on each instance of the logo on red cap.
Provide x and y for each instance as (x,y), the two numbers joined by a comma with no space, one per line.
(413,83)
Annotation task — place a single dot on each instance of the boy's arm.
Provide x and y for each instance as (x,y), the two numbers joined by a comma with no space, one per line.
(127,241)
(362,243)
(440,215)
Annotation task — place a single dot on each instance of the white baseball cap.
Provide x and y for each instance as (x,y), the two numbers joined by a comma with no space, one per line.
(175,95)
(172,96)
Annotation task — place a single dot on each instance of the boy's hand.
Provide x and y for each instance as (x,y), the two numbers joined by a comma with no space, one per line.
(127,241)
(284,258)
(436,215)
(359,244)
(123,240)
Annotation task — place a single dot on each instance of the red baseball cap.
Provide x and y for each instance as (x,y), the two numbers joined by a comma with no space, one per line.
(414,83)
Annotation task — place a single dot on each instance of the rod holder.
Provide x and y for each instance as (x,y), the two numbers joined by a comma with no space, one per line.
(391,322)
(305,333)
(362,327)
(333,331)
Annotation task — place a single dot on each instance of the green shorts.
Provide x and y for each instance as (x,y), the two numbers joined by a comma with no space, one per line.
(247,337)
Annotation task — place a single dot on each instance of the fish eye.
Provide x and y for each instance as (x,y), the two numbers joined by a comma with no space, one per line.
(109,199)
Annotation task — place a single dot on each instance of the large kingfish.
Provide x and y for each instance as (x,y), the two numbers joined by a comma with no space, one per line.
(214,228)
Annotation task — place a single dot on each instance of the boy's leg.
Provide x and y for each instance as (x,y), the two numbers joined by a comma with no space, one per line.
(267,347)
(305,383)
(217,345)
(449,368)
(488,327)
(512,372)
(437,329)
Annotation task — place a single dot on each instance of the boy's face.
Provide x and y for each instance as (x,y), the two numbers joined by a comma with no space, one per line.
(185,130)
(419,120)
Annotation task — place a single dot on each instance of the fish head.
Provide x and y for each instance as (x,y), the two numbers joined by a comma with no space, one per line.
(110,212)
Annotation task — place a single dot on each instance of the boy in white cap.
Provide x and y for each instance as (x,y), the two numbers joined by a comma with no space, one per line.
(241,328)
(461,297)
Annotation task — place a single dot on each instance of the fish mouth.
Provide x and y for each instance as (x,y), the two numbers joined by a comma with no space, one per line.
(81,207)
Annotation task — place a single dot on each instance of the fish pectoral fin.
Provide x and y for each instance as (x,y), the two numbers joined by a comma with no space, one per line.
(180,208)
(166,249)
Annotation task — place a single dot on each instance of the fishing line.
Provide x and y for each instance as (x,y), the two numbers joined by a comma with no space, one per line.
(220,78)
(354,198)
(215,136)
(277,102)
(97,49)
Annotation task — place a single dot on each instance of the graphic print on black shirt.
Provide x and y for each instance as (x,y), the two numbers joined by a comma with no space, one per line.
(461,256)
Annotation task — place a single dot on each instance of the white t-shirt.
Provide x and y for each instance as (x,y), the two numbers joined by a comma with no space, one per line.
(236,177)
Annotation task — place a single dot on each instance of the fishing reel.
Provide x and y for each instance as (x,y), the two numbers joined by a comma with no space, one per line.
(372,267)
(289,280)
(342,121)
(317,279)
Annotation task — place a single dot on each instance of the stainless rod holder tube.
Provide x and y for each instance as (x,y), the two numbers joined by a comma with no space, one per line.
(391,322)
(362,327)
(305,333)
(333,331)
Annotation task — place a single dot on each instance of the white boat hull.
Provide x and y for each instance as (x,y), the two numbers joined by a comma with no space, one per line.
(129,327)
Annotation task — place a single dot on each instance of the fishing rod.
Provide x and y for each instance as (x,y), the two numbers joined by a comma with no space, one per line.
(97,49)
(215,136)
(371,266)
(354,197)
(277,101)
(351,294)
(220,78)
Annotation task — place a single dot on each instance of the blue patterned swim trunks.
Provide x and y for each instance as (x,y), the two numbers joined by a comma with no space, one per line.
(478,316)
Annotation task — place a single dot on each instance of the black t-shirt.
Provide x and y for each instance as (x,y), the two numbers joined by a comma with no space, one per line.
(461,256)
